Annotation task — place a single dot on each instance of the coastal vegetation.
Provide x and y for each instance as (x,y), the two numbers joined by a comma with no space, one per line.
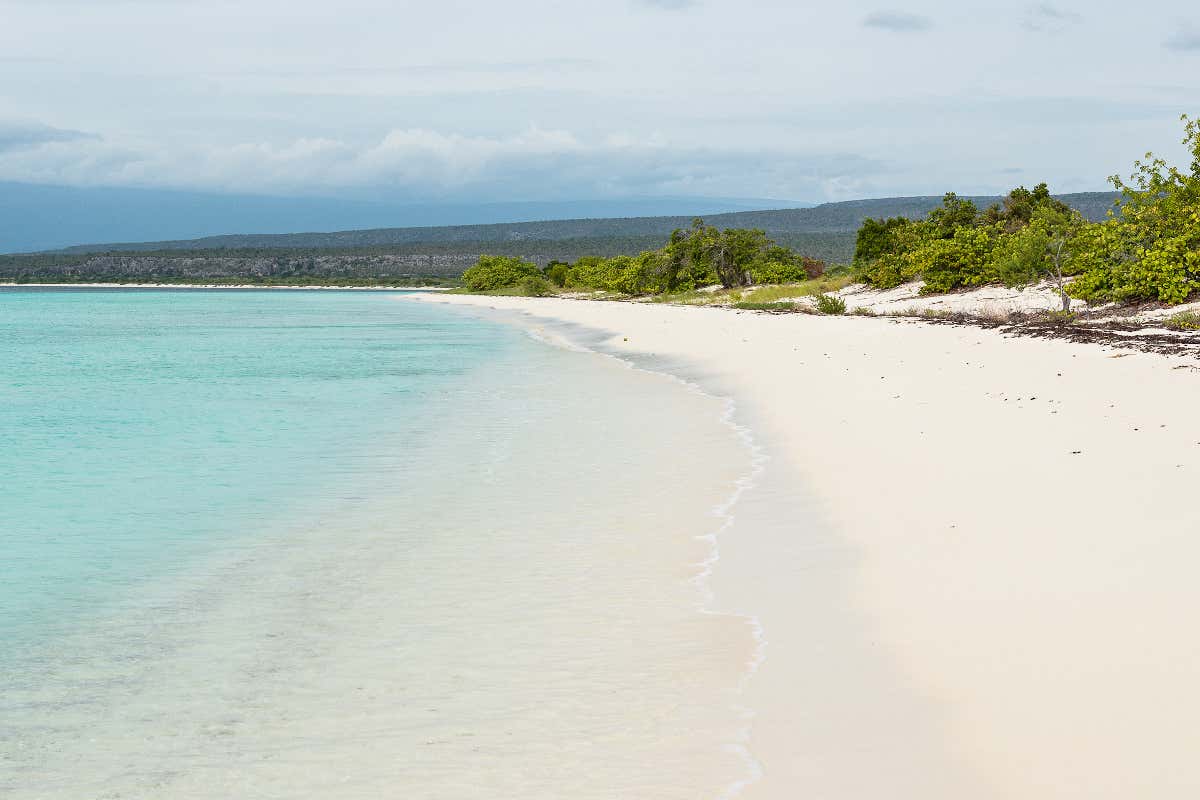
(694,257)
(830,304)
(439,255)
(1147,249)
(495,272)
(236,267)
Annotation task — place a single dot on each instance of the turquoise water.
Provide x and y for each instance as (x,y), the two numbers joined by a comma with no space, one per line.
(142,429)
(344,545)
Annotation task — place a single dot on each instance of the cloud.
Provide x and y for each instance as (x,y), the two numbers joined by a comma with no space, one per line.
(533,164)
(16,135)
(1186,41)
(1049,18)
(897,21)
(673,5)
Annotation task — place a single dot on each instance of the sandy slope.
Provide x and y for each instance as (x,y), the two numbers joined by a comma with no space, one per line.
(991,588)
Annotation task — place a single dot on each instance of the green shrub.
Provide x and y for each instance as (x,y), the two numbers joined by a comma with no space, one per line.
(556,272)
(1150,248)
(829,304)
(496,272)
(535,286)
(962,261)
(875,238)
(780,265)
(839,271)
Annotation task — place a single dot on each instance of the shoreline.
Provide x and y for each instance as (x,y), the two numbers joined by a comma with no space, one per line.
(978,603)
(498,641)
(588,340)
(221,286)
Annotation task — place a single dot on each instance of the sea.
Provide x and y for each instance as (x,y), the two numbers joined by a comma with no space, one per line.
(344,544)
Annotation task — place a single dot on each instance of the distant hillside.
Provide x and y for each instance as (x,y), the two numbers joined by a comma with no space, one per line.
(37,218)
(416,255)
(829,218)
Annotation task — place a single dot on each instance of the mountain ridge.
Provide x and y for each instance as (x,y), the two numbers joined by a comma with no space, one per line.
(827,218)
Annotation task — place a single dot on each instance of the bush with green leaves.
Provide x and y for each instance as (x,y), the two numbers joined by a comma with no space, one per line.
(830,304)
(780,265)
(962,261)
(556,272)
(1148,249)
(692,258)
(535,286)
(497,272)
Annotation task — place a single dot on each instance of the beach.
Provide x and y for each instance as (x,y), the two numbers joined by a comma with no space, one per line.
(971,556)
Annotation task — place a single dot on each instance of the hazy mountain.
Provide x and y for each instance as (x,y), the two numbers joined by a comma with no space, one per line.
(793,226)
(34,217)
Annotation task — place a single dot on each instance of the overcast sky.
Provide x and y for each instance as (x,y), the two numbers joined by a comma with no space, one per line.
(533,99)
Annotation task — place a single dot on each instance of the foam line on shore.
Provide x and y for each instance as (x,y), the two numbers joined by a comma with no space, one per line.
(724,512)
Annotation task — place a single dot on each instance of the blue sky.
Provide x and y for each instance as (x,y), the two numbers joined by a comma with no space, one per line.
(535,100)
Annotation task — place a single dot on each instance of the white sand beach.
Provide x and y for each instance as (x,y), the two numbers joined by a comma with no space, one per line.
(973,556)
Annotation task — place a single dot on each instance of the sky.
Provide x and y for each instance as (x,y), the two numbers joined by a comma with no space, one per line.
(538,100)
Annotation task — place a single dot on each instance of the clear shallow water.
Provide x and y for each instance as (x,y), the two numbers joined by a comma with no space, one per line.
(139,429)
(339,545)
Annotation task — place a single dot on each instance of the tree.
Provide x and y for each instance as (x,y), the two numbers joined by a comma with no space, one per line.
(702,254)
(1019,207)
(1042,250)
(733,252)
(685,265)
(1150,247)
(556,272)
(955,213)
(876,238)
(778,264)
(497,272)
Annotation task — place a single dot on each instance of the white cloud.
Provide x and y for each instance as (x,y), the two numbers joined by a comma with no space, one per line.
(1184,41)
(533,99)
(897,21)
(16,134)
(673,5)
(535,163)
(1049,18)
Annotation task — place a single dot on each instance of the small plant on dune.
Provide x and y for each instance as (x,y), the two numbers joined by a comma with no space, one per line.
(863,311)
(812,288)
(771,294)
(776,307)
(829,304)
(1183,321)
(925,313)
(690,297)
(1057,317)
(994,315)
(827,283)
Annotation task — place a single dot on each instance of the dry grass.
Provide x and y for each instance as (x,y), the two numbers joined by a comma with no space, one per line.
(817,286)
(1183,321)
